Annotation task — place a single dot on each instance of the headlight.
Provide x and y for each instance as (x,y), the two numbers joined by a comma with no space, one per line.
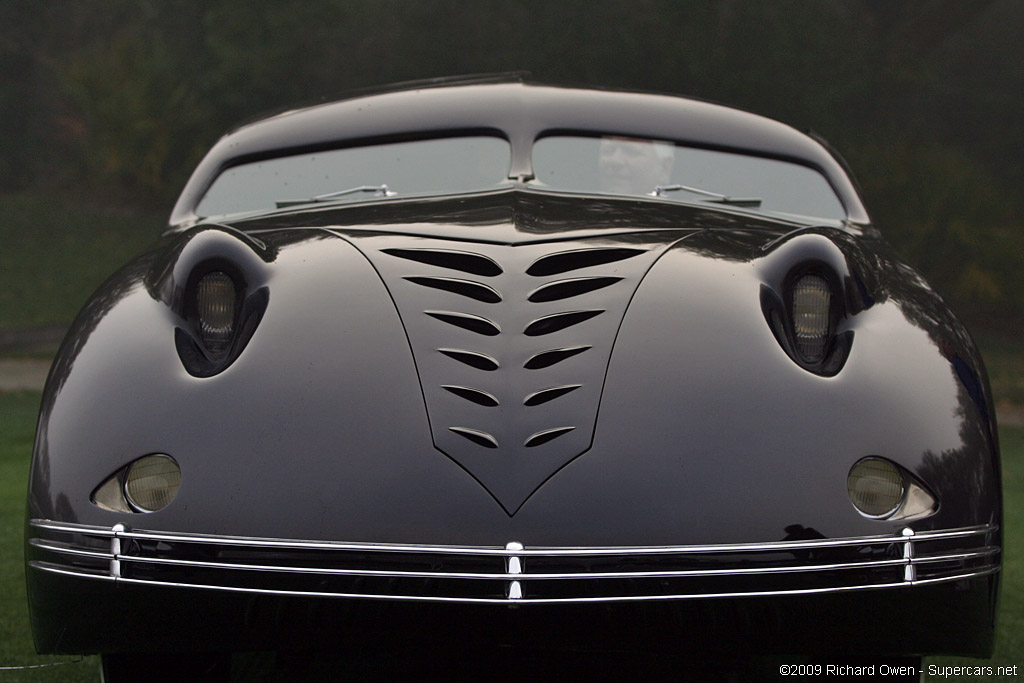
(152,482)
(144,485)
(811,306)
(215,305)
(876,487)
(217,290)
(881,489)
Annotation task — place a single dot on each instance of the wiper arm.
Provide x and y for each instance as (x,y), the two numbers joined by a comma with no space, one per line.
(753,202)
(378,190)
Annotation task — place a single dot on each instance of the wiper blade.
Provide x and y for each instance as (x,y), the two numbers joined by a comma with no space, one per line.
(378,190)
(753,202)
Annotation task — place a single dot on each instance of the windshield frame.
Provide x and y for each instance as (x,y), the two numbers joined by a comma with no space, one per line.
(521,111)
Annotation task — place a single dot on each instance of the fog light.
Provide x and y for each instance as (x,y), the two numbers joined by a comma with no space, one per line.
(876,487)
(152,482)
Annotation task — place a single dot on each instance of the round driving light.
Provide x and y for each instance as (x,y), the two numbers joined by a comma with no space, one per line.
(215,301)
(152,482)
(876,487)
(811,301)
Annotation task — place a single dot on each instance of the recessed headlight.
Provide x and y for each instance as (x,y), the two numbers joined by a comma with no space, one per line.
(812,300)
(876,487)
(152,482)
(215,304)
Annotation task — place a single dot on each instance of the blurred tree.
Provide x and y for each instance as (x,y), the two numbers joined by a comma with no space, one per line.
(943,212)
(28,108)
(140,116)
(925,98)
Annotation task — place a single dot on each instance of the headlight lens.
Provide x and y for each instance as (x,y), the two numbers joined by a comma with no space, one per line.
(215,301)
(876,487)
(811,305)
(152,482)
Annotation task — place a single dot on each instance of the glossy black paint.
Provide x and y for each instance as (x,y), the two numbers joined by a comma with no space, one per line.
(392,387)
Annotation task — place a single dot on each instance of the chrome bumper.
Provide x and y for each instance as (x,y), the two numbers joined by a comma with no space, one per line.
(512,574)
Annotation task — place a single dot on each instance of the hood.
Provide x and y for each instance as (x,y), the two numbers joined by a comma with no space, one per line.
(511,304)
(468,369)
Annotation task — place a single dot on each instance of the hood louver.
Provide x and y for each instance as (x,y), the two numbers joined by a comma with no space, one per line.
(511,353)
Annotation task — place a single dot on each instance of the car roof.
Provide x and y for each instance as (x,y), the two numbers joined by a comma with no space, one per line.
(520,112)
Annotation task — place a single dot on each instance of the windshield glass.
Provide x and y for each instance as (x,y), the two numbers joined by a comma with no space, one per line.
(462,164)
(637,166)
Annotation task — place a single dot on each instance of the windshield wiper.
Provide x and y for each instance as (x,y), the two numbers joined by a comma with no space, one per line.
(378,190)
(753,202)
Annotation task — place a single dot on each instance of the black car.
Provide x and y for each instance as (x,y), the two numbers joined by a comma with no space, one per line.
(487,363)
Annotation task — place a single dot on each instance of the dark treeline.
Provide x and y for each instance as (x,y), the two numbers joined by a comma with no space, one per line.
(117,99)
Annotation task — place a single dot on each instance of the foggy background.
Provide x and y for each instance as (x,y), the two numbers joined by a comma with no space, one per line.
(110,103)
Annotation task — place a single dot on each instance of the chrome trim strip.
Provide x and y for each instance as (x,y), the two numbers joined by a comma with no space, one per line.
(927,559)
(959,577)
(955,533)
(513,576)
(509,576)
(505,552)
(910,572)
(115,550)
(521,600)
(513,571)
(78,574)
(57,548)
(72,527)
(315,545)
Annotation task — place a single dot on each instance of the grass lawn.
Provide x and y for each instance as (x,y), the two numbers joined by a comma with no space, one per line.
(55,254)
(1010,633)
(17,427)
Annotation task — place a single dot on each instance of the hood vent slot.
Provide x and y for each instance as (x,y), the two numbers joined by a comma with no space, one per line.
(480,361)
(548,358)
(565,289)
(545,395)
(467,288)
(475,395)
(547,435)
(462,261)
(476,436)
(563,262)
(467,321)
(558,321)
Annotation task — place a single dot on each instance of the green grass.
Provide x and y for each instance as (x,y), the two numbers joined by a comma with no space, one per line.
(54,254)
(17,429)
(1010,630)
(17,426)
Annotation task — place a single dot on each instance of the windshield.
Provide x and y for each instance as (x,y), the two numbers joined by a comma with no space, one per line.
(460,164)
(637,166)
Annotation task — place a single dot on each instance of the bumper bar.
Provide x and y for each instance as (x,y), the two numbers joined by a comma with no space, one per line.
(511,574)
